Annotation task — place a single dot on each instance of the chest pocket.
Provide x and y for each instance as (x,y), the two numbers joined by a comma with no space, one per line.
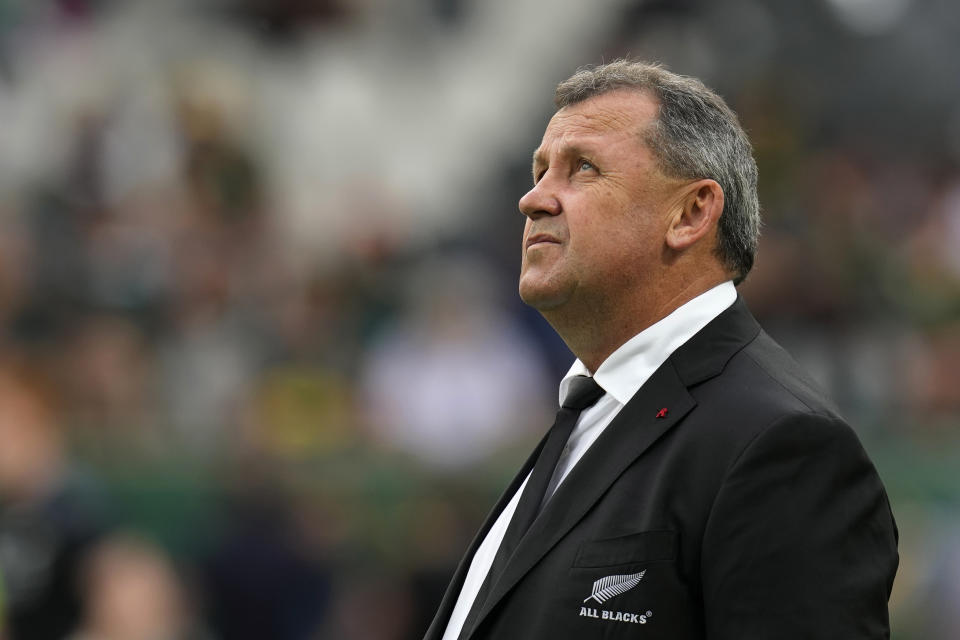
(636,548)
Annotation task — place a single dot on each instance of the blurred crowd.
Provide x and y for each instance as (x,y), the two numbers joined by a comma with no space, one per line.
(262,363)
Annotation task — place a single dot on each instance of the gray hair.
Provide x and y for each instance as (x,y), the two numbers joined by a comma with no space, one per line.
(696,136)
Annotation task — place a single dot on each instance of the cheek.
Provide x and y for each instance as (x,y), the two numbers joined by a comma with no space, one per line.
(614,238)
(592,228)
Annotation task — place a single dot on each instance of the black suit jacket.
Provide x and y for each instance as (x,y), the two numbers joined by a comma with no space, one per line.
(727,500)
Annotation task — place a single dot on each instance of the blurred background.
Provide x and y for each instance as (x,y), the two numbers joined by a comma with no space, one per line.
(263,368)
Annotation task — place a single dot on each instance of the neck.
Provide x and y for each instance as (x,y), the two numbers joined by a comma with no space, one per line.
(600,327)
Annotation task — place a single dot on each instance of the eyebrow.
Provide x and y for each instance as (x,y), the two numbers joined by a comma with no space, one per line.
(539,158)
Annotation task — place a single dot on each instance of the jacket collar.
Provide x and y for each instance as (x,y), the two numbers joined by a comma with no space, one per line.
(708,351)
(625,370)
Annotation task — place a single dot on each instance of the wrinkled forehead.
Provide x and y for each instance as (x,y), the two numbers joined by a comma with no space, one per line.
(619,113)
(616,109)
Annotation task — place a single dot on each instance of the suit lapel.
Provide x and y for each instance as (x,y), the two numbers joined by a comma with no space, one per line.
(439,624)
(631,433)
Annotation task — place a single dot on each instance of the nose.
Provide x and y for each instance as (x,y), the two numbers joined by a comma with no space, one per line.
(541,200)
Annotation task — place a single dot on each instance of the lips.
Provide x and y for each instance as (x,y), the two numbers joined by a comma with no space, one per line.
(539,238)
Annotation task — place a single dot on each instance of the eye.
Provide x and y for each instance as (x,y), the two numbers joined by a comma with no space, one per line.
(585,165)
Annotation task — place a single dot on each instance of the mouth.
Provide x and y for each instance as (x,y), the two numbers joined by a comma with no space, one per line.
(539,239)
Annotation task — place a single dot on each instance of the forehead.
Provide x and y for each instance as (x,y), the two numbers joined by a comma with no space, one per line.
(624,112)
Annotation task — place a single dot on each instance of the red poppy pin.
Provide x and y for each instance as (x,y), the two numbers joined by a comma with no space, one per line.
(662,413)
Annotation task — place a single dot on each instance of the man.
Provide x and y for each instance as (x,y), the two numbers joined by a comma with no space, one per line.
(707,488)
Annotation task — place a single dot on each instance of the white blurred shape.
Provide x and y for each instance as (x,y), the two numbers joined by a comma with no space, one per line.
(456,379)
(869,17)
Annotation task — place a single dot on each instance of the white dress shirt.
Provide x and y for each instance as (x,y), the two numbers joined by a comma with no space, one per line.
(621,375)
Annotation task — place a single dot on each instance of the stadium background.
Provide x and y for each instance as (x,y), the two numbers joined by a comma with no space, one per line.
(262,363)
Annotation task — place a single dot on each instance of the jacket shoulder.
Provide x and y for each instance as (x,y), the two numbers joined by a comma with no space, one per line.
(763,379)
(760,387)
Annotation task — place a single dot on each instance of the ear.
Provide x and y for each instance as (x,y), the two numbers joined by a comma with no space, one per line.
(697,216)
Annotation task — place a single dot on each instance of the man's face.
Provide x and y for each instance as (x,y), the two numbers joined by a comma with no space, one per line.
(599,207)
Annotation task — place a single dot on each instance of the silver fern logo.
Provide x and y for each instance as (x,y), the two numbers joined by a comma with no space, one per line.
(606,588)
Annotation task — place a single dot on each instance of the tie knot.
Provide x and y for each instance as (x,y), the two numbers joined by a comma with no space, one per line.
(583,392)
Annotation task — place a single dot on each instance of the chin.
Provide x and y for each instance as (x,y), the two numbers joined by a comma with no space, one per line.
(542,298)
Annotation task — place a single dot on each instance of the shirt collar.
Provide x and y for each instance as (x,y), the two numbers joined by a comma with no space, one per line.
(625,370)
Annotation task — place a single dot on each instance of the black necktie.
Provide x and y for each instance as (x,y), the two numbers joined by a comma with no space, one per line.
(583,392)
